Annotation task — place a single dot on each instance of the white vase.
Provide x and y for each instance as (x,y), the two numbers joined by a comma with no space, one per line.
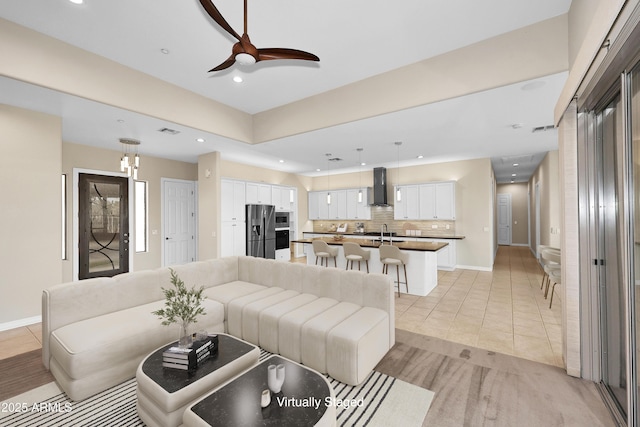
(280,374)
(265,399)
(272,379)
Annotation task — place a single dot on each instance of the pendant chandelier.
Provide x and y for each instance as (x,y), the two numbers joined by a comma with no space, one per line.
(328,186)
(398,191)
(130,160)
(359,174)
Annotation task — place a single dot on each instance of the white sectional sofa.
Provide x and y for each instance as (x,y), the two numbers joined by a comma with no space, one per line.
(96,331)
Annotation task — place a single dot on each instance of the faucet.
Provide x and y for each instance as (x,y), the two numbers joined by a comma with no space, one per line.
(383,227)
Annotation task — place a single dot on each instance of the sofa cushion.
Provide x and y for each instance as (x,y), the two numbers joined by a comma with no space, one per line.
(85,347)
(290,326)
(313,345)
(235,306)
(230,291)
(208,273)
(357,344)
(270,317)
(251,314)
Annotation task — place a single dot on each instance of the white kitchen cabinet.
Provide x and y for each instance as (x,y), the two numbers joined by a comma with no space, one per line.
(258,194)
(314,211)
(446,200)
(408,206)
(232,240)
(437,200)
(318,207)
(358,210)
(338,206)
(447,256)
(281,198)
(232,200)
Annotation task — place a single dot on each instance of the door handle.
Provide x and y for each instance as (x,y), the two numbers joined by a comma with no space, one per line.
(167,238)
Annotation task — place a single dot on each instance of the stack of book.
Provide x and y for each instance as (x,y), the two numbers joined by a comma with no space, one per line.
(189,359)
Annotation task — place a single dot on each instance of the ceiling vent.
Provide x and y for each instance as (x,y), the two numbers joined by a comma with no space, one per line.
(542,128)
(169,131)
(335,159)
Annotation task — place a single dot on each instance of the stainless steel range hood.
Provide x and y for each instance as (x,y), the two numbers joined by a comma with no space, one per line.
(379,187)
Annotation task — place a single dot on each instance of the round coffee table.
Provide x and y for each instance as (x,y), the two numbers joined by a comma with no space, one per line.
(306,399)
(164,393)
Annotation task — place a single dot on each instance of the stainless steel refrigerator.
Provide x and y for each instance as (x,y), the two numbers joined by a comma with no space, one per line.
(261,231)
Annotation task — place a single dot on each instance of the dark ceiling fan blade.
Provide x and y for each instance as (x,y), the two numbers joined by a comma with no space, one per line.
(217,16)
(282,53)
(226,64)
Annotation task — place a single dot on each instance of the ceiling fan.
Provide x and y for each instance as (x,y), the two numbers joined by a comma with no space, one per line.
(244,51)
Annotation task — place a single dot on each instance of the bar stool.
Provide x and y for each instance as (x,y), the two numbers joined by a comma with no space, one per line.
(556,277)
(547,264)
(353,252)
(391,255)
(552,267)
(324,252)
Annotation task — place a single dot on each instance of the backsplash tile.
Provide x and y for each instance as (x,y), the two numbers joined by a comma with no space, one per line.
(384,215)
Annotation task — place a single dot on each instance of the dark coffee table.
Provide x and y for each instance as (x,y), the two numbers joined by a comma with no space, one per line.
(164,393)
(237,403)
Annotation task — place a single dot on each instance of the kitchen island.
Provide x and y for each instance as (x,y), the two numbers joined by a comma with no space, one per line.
(422,269)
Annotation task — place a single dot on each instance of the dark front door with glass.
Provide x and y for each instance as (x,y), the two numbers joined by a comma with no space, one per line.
(103,226)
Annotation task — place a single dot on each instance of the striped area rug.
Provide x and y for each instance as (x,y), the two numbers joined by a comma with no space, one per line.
(387,402)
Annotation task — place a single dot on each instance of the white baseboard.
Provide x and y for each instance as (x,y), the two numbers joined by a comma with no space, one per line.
(20,323)
(474,267)
(520,244)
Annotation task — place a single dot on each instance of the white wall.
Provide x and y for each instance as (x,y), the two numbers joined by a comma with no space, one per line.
(30,170)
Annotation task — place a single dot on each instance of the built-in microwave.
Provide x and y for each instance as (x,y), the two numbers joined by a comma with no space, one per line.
(282,220)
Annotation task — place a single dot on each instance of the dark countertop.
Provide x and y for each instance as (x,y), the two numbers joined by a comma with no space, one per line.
(373,234)
(365,243)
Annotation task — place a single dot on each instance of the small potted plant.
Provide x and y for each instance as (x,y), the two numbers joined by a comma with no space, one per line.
(182,306)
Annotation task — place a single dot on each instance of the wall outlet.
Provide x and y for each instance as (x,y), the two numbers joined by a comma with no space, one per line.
(515,222)
(434,226)
(486,228)
(447,226)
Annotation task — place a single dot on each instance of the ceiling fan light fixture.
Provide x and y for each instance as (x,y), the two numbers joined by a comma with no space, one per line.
(245,59)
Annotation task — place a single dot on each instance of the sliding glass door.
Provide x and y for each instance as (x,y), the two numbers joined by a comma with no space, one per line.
(609,136)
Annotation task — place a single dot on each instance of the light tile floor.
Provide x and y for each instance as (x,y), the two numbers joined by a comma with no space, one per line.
(503,311)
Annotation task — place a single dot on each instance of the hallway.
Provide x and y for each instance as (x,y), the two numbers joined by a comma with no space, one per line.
(503,311)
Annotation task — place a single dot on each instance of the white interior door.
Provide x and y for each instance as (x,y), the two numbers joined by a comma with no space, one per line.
(178,222)
(504,219)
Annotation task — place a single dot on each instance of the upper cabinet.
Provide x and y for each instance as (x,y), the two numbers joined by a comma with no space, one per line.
(344,205)
(358,206)
(258,194)
(428,201)
(282,198)
(407,207)
(232,200)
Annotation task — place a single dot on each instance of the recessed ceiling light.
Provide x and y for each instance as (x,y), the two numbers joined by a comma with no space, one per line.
(77,1)
(516,164)
(281,161)
(237,79)
(513,174)
(363,164)
(200,139)
(533,85)
(420,156)
(317,170)
(512,181)
(165,51)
